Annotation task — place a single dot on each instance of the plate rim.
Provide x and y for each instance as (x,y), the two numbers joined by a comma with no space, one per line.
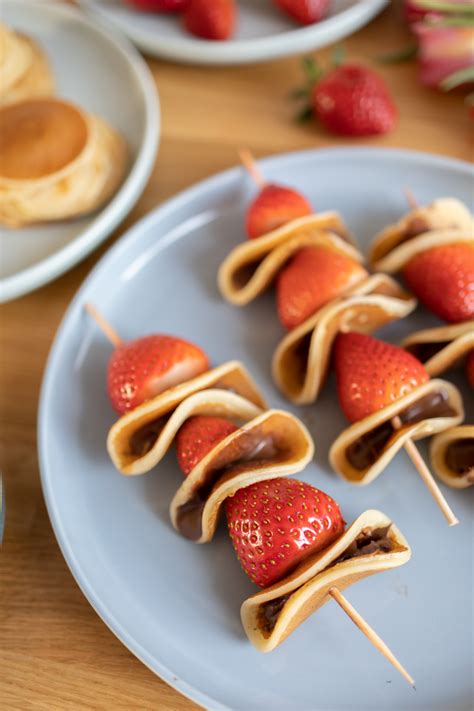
(106,220)
(234,52)
(61,336)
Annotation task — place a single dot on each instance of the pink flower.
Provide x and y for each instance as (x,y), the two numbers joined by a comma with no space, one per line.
(443,50)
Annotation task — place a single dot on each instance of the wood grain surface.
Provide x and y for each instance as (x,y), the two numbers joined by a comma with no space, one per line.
(55,652)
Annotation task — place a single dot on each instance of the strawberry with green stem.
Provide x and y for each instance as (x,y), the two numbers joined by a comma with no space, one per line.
(349,99)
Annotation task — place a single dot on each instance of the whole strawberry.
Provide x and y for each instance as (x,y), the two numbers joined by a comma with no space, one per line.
(443,279)
(138,370)
(314,276)
(275,524)
(372,374)
(274,206)
(470,368)
(353,100)
(159,5)
(210,19)
(198,436)
(305,12)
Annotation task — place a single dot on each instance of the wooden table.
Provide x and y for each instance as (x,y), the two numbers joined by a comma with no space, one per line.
(55,652)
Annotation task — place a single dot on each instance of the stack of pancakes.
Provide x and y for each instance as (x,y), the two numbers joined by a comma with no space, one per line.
(57,161)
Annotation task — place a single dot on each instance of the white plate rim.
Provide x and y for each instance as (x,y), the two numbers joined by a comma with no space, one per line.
(128,238)
(294,41)
(49,268)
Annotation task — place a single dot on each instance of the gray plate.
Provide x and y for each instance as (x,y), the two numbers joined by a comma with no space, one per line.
(176,605)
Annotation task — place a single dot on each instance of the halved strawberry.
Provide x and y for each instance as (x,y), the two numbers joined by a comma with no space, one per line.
(314,276)
(274,206)
(443,279)
(372,374)
(198,436)
(304,11)
(470,368)
(138,370)
(275,524)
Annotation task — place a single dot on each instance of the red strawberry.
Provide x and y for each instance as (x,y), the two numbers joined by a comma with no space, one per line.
(140,369)
(353,100)
(314,276)
(159,5)
(274,206)
(198,436)
(210,19)
(275,524)
(305,11)
(372,374)
(443,279)
(470,368)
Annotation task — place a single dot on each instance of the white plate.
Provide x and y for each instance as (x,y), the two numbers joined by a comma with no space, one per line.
(102,73)
(176,604)
(263,32)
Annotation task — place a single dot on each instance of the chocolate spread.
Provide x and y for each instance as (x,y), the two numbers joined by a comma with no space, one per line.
(365,450)
(142,441)
(248,450)
(459,456)
(368,543)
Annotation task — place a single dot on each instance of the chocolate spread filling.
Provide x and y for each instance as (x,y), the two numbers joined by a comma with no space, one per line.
(459,456)
(365,450)
(425,351)
(142,441)
(248,450)
(369,542)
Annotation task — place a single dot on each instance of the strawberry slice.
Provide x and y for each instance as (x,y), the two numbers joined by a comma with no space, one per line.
(274,206)
(138,370)
(198,436)
(305,12)
(276,524)
(210,19)
(372,374)
(312,278)
(443,279)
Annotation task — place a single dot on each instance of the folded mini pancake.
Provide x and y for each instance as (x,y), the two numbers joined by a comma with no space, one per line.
(253,265)
(452,456)
(141,437)
(370,545)
(24,68)
(301,360)
(441,348)
(444,221)
(363,450)
(56,161)
(273,444)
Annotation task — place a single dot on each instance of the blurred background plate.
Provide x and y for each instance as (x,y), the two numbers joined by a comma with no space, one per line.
(115,83)
(176,604)
(263,32)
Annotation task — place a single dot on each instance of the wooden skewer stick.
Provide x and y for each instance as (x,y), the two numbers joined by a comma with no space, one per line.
(427,476)
(370,633)
(411,199)
(410,447)
(104,325)
(250,165)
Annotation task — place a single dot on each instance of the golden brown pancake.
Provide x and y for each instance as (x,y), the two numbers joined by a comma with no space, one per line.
(24,68)
(39,137)
(56,161)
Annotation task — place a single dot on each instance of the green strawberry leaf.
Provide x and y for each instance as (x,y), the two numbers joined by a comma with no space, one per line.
(442,6)
(337,55)
(397,56)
